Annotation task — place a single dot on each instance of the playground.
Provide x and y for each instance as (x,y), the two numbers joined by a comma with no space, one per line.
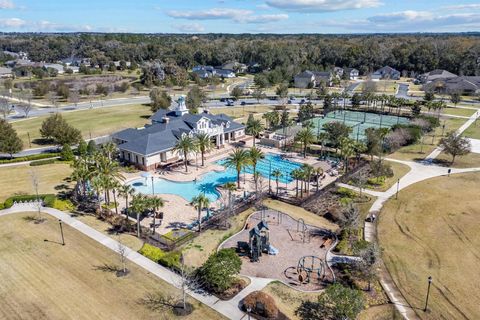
(276,246)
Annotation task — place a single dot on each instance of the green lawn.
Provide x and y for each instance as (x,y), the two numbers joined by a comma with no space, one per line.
(92,123)
(432,230)
(473,131)
(18,179)
(471,160)
(458,111)
(45,280)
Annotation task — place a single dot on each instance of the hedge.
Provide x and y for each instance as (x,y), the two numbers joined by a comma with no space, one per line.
(31,158)
(47,198)
(42,162)
(167,259)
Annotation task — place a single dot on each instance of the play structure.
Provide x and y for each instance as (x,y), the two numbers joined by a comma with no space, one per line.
(258,242)
(309,267)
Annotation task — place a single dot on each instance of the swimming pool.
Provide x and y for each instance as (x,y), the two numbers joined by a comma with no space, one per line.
(208,182)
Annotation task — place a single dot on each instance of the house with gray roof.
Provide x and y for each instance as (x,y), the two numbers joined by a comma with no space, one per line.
(386,73)
(5,72)
(152,146)
(462,85)
(311,79)
(436,74)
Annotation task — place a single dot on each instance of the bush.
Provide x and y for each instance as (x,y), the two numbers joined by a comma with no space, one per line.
(42,162)
(2,206)
(378,181)
(29,197)
(346,192)
(151,252)
(62,205)
(166,259)
(31,158)
(261,304)
(220,269)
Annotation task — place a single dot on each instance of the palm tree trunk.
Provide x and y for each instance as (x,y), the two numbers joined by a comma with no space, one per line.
(185,161)
(277,187)
(296,188)
(199,219)
(138,225)
(238,179)
(154,216)
(203,158)
(115,201)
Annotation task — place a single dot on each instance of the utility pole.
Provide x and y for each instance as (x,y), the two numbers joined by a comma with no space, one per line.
(61,231)
(428,293)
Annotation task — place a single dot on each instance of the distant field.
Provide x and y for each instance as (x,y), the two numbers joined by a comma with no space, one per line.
(92,123)
(44,280)
(473,131)
(18,179)
(382,86)
(432,230)
(458,111)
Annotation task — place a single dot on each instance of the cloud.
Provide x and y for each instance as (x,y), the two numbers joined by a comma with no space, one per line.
(12,23)
(237,15)
(462,6)
(190,27)
(408,21)
(6,4)
(322,5)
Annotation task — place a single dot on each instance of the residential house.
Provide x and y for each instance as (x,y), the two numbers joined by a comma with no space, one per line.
(386,73)
(5,72)
(17,55)
(235,66)
(152,146)
(435,75)
(462,85)
(117,64)
(225,73)
(76,62)
(209,71)
(60,69)
(311,79)
(351,73)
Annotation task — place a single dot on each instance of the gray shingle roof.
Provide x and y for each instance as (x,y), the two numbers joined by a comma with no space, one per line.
(162,136)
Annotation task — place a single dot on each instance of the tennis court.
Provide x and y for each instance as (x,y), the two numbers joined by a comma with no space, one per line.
(357,120)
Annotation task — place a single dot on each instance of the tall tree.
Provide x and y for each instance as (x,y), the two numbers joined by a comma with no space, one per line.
(455,145)
(9,141)
(184,146)
(239,159)
(254,128)
(200,202)
(203,144)
(305,137)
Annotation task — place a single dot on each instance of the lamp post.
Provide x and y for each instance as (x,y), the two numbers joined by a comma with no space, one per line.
(270,177)
(61,231)
(153,187)
(398,187)
(428,293)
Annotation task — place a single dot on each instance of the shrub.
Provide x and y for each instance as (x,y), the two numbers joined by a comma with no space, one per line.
(220,269)
(2,206)
(261,304)
(42,162)
(62,205)
(151,252)
(67,153)
(29,197)
(31,158)
(346,192)
(377,181)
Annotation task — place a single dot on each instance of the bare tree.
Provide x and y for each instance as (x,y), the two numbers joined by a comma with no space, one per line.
(74,97)
(368,262)
(350,218)
(122,252)
(26,107)
(35,185)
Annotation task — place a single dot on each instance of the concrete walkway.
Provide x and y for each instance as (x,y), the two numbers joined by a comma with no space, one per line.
(229,309)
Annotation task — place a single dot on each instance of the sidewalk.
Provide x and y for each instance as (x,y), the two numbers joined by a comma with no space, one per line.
(228,309)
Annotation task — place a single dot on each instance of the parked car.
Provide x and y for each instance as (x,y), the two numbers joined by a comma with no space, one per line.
(302,101)
(223,99)
(289,101)
(243,103)
(292,97)
(229,103)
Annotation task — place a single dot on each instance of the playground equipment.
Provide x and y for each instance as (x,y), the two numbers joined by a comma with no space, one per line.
(259,240)
(309,266)
(302,227)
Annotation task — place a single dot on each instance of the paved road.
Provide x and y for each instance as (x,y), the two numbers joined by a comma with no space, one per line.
(229,309)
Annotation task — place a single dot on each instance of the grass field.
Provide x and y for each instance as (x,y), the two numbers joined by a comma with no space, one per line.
(473,131)
(471,160)
(382,312)
(297,213)
(44,280)
(288,299)
(432,230)
(382,86)
(197,251)
(18,179)
(416,151)
(458,111)
(92,123)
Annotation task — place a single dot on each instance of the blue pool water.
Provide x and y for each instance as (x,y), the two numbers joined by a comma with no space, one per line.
(209,182)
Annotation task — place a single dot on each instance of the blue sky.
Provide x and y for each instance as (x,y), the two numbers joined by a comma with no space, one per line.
(240,16)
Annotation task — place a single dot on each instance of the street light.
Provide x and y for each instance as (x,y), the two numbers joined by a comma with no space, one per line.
(269,177)
(153,187)
(61,231)
(398,187)
(428,293)
(248,312)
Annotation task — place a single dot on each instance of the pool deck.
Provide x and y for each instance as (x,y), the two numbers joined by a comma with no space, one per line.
(178,212)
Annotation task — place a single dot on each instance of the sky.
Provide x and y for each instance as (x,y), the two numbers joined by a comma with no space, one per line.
(240,16)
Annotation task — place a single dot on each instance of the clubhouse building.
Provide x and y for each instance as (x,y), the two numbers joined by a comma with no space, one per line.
(151,147)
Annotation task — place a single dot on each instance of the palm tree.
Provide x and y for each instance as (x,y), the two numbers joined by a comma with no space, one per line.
(305,137)
(255,155)
(297,175)
(184,146)
(125,191)
(254,128)
(107,170)
(347,150)
(307,172)
(239,159)
(204,144)
(138,205)
(277,174)
(114,185)
(155,203)
(201,201)
(110,150)
(230,187)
